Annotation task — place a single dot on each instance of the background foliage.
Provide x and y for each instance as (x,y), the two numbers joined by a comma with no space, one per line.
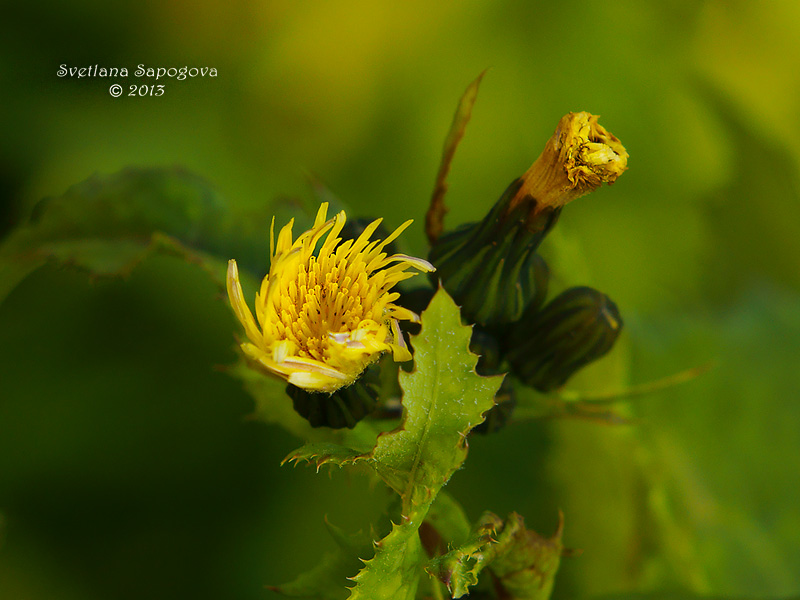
(127,464)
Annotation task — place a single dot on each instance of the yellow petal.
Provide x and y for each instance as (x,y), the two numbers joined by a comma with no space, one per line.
(240,308)
(400,351)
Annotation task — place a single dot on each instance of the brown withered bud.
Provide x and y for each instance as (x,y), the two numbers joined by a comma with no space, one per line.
(579,157)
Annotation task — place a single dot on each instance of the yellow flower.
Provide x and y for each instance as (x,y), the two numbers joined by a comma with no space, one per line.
(322,319)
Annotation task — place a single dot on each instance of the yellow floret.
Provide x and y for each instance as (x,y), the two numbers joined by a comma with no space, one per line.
(322,319)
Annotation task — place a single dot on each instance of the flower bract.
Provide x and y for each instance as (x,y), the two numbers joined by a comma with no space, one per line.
(323,315)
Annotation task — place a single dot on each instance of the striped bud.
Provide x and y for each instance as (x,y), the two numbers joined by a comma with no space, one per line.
(577,327)
(491,268)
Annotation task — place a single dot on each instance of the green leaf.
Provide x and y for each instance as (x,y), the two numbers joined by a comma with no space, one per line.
(393,573)
(108,224)
(443,400)
(459,568)
(434,219)
(321,453)
(522,562)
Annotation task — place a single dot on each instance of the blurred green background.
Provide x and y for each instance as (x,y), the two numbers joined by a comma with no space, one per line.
(128,468)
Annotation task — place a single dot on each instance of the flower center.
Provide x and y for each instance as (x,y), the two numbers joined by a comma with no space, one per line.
(322,298)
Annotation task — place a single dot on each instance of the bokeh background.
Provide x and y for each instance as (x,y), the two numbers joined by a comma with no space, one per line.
(128,467)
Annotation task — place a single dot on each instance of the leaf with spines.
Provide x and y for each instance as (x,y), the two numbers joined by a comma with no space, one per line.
(394,572)
(320,453)
(443,399)
(522,562)
(459,568)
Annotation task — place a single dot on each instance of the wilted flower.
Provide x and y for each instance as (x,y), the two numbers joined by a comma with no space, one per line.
(491,268)
(579,157)
(324,317)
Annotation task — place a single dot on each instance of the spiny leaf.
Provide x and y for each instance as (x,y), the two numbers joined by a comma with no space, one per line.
(443,400)
(434,218)
(393,573)
(459,568)
(522,562)
(526,563)
(321,453)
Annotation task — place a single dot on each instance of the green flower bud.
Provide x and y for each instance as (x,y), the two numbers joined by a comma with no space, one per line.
(343,408)
(577,327)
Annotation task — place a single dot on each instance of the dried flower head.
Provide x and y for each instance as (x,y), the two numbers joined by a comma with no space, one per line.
(579,157)
(324,317)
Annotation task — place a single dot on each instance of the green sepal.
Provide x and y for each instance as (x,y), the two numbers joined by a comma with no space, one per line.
(346,406)
(491,267)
